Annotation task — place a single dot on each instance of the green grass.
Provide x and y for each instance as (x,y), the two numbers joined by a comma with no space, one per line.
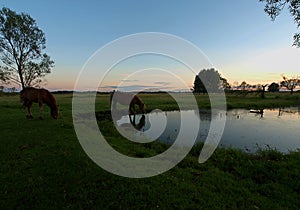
(44,167)
(251,101)
(272,100)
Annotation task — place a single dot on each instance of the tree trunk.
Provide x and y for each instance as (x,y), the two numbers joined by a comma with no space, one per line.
(263,91)
(21,77)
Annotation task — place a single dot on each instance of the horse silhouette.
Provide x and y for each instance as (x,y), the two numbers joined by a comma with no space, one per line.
(32,95)
(127,99)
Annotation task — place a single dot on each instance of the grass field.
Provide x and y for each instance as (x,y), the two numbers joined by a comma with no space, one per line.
(44,167)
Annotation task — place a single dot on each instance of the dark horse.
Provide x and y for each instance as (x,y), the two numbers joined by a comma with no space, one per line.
(127,99)
(29,95)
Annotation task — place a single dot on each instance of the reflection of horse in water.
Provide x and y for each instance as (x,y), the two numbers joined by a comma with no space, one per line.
(258,112)
(141,123)
(40,96)
(127,99)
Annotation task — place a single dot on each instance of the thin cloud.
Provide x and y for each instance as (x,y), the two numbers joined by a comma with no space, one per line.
(162,83)
(136,88)
(130,80)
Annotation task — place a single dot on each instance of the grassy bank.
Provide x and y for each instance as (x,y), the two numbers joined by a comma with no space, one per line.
(44,167)
(250,101)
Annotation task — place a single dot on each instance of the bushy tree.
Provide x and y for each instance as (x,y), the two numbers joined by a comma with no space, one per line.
(244,86)
(273,87)
(225,84)
(198,86)
(3,75)
(209,80)
(21,49)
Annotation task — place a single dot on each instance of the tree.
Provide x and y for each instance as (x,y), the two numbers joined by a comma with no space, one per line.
(3,76)
(199,86)
(274,7)
(21,46)
(209,80)
(291,83)
(273,87)
(244,85)
(262,90)
(225,84)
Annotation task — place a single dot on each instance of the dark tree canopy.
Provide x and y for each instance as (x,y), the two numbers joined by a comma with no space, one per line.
(21,49)
(244,85)
(273,87)
(209,80)
(274,7)
(3,76)
(225,84)
(199,86)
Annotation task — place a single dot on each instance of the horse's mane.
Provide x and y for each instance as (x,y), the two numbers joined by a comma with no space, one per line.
(138,100)
(51,102)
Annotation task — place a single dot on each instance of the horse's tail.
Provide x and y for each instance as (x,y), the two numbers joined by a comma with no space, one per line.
(111,97)
(23,96)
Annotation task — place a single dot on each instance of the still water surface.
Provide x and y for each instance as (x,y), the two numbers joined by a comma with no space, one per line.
(245,129)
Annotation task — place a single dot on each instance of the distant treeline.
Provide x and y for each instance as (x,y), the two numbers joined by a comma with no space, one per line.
(158,92)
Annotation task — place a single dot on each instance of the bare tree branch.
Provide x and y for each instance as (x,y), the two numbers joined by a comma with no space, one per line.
(274,7)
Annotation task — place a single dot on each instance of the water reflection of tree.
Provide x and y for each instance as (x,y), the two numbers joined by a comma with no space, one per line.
(208,115)
(281,111)
(203,115)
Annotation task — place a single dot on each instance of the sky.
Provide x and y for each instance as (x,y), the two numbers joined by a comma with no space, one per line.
(237,37)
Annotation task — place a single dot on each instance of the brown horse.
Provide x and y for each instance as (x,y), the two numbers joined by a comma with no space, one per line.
(29,95)
(127,99)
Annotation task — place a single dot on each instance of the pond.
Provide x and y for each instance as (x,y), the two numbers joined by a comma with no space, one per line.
(245,129)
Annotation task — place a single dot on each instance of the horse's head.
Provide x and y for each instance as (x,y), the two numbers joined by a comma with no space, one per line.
(54,112)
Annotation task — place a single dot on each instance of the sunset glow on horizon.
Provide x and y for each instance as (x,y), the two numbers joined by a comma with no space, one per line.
(238,38)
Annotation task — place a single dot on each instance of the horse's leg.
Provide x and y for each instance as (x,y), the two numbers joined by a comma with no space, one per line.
(41,110)
(131,108)
(130,119)
(24,104)
(28,112)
